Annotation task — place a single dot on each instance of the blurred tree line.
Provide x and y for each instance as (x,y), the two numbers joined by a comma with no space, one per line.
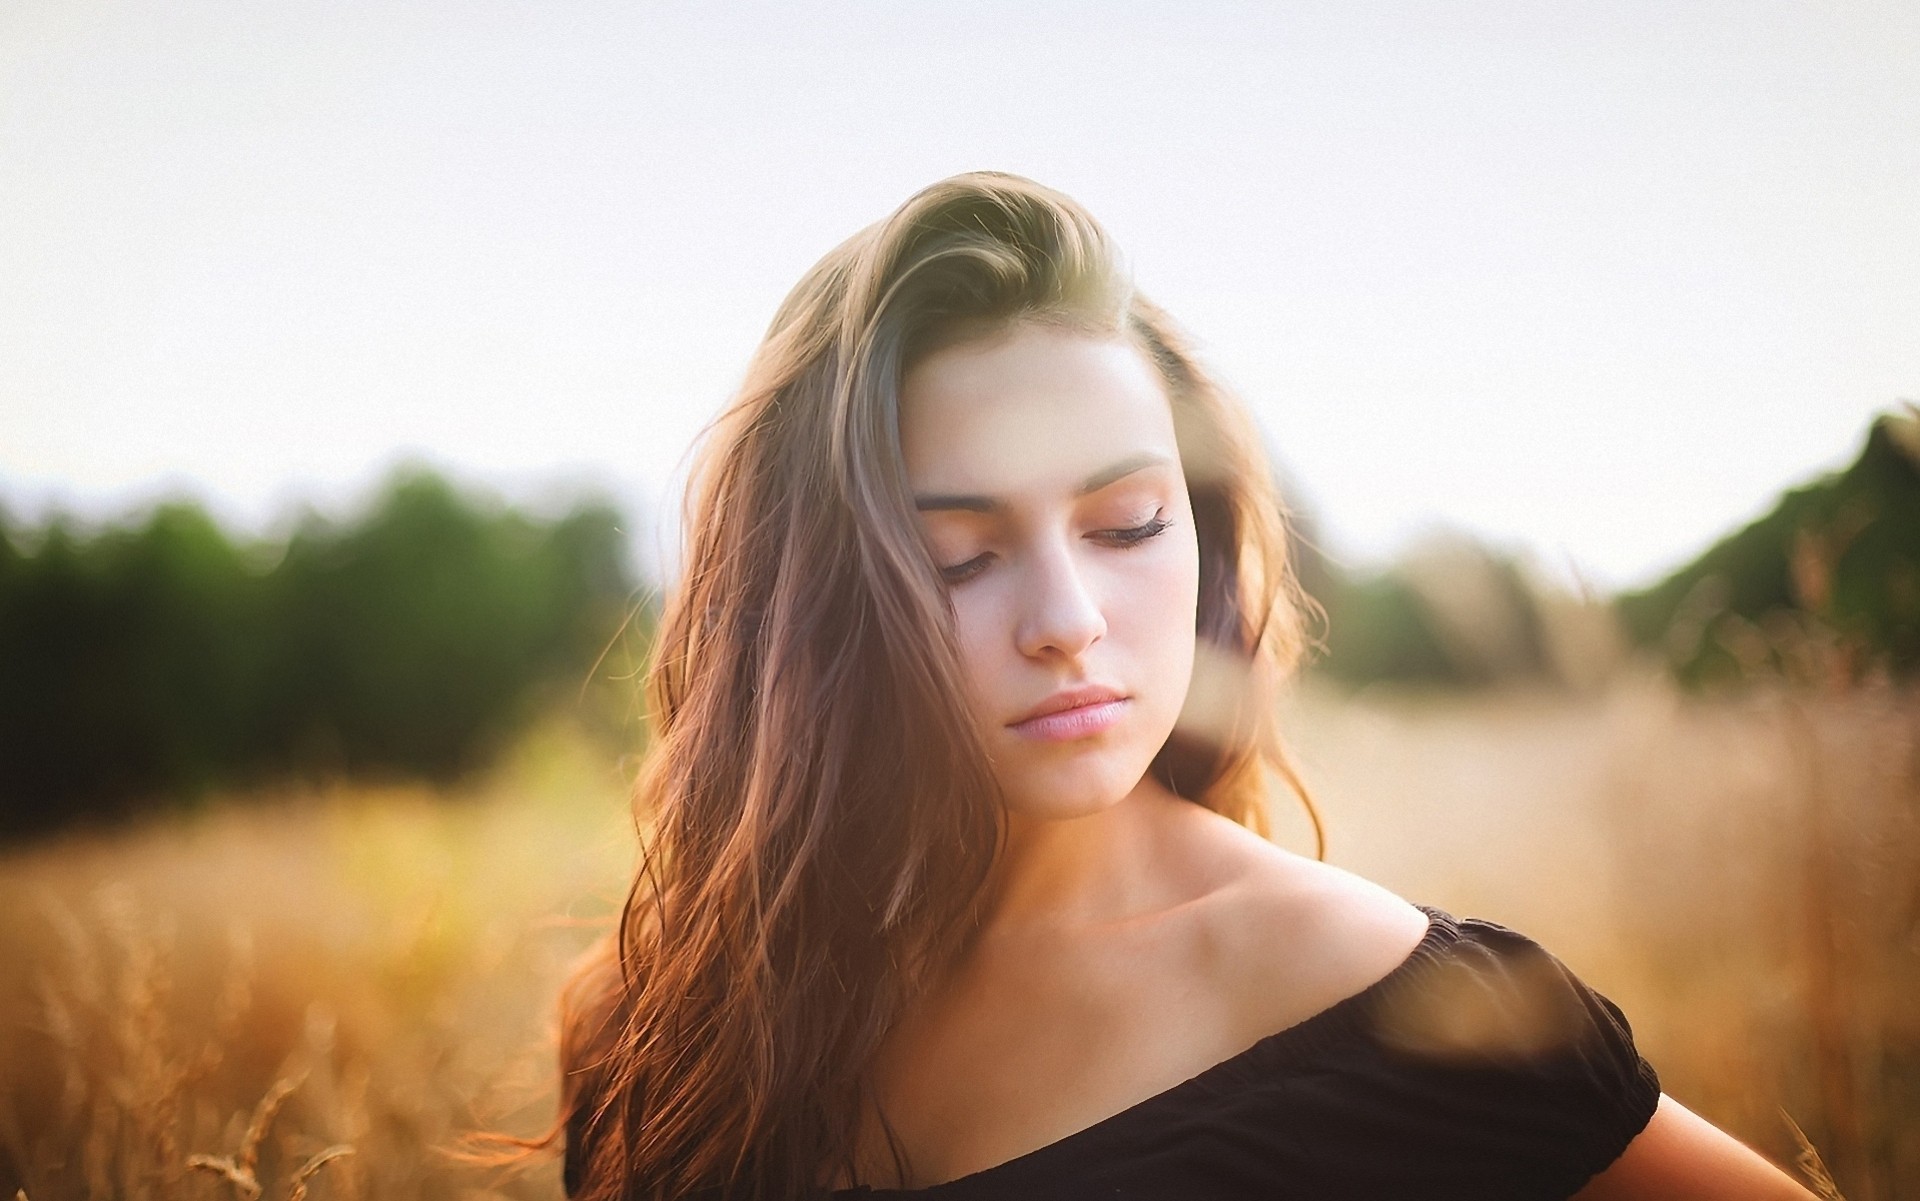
(144,665)
(1826,584)
(148,664)
(1824,588)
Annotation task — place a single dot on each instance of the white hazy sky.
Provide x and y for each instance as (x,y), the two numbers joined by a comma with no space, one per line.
(1591,280)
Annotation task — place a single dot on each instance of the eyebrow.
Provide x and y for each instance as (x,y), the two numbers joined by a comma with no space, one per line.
(1110,474)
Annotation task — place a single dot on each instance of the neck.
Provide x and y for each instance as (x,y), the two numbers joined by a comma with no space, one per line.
(1100,867)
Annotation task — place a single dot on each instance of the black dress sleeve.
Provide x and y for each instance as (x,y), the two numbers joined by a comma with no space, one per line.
(1540,1068)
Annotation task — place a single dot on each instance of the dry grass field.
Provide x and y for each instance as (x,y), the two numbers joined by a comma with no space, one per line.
(320,994)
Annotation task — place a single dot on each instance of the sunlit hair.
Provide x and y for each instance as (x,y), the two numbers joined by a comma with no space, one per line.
(817,815)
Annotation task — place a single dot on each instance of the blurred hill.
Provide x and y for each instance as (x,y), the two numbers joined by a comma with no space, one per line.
(1827,581)
(1451,613)
(144,665)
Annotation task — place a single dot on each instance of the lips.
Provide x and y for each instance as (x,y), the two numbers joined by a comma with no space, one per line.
(1071,714)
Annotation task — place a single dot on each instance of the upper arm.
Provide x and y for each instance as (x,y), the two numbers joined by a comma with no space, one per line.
(1680,1156)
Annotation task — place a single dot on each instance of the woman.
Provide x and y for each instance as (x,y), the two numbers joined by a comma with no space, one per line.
(951,879)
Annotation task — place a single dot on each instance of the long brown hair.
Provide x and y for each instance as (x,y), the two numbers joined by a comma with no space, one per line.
(817,818)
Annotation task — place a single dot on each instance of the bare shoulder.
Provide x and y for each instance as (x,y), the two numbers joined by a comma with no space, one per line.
(1291,936)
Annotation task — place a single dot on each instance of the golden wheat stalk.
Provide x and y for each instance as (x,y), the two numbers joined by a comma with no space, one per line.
(241,1169)
(297,1189)
(245,1185)
(1810,1164)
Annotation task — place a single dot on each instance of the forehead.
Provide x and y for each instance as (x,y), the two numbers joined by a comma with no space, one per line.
(1031,407)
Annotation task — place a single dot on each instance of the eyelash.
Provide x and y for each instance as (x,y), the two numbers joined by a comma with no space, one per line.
(1122,539)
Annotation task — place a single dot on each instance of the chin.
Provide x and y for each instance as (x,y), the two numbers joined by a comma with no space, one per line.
(1080,789)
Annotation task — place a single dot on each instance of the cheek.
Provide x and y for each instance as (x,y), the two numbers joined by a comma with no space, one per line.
(981,632)
(1154,589)
(1155,601)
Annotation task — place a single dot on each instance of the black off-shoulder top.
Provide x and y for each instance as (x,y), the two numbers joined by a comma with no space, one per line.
(1480,1068)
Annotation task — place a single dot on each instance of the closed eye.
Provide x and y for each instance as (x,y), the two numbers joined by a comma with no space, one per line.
(959,573)
(1134,535)
(1128,536)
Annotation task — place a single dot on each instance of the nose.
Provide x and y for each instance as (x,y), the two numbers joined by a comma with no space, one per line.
(1060,614)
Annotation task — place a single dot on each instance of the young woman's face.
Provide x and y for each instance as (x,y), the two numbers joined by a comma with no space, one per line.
(1048,482)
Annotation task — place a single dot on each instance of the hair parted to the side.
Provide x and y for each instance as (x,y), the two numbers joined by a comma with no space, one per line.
(817,817)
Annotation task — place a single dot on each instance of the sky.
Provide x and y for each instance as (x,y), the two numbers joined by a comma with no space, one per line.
(1591,282)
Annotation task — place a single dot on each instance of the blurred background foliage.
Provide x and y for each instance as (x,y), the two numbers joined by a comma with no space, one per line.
(148,664)
(143,665)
